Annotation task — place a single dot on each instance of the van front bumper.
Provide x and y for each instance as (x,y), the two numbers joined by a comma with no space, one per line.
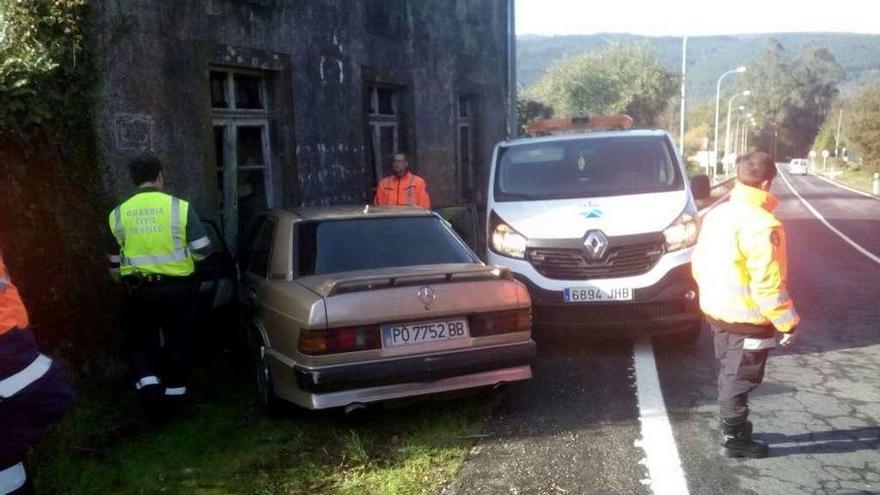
(669,306)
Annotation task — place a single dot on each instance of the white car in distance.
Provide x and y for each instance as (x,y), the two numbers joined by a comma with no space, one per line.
(798,166)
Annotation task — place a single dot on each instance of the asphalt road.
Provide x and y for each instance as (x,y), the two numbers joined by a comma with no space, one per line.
(573,429)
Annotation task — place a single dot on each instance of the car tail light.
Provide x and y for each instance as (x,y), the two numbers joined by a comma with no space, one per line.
(338,340)
(518,320)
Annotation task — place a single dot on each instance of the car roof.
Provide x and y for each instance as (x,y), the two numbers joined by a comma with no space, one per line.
(343,212)
(587,135)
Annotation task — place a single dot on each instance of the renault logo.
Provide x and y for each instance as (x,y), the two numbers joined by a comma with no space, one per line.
(596,244)
(426,296)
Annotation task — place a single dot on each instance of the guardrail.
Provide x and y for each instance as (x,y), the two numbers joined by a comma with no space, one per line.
(717,194)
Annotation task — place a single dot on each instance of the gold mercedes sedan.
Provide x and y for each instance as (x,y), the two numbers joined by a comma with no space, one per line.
(346,306)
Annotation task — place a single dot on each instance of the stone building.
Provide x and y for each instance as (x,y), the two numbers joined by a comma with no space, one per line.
(278,103)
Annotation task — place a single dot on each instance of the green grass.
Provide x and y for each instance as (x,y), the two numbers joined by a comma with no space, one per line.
(221,445)
(857,179)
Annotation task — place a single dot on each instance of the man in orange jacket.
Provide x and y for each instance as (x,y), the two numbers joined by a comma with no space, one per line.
(402,187)
(32,393)
(740,265)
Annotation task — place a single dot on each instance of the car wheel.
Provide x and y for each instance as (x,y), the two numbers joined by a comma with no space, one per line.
(268,402)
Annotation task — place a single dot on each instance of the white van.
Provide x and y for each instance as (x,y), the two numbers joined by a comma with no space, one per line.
(600,226)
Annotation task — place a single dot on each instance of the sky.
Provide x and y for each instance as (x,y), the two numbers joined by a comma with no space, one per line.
(694,17)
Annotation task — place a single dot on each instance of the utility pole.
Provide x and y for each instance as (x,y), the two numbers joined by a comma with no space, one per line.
(512,120)
(837,136)
(684,45)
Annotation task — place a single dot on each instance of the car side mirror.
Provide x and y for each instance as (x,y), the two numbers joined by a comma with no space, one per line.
(700,187)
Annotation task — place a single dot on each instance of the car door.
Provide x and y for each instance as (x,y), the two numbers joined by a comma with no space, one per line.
(254,261)
(216,273)
(215,301)
(464,220)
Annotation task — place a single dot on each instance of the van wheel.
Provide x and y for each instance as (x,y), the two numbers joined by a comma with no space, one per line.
(269,403)
(691,335)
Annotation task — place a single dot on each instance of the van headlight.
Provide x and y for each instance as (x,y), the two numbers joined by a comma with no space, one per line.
(682,233)
(505,240)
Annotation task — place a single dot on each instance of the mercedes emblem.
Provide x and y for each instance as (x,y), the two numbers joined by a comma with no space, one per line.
(426,296)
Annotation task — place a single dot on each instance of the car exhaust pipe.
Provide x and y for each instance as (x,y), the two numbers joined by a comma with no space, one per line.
(500,388)
(354,409)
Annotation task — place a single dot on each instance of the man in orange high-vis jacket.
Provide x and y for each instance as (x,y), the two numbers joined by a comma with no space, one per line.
(740,265)
(402,187)
(32,393)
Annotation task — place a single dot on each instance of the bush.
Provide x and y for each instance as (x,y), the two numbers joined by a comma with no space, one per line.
(864,126)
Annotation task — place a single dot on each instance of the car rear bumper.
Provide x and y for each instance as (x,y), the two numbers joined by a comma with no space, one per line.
(341,385)
(661,308)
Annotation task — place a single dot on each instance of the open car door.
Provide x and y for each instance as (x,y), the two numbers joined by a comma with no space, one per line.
(215,302)
(464,219)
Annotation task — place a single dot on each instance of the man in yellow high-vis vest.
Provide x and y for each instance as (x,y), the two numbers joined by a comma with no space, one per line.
(159,239)
(740,264)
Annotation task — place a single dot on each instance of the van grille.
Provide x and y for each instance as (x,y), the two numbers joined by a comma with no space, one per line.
(620,261)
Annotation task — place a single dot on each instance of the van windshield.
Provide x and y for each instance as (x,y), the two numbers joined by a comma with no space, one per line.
(589,167)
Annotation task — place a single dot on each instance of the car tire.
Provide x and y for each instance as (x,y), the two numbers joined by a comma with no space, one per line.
(268,403)
(690,335)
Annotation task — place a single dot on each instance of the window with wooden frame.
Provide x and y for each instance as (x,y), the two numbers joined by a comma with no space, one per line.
(383,117)
(465,119)
(242,148)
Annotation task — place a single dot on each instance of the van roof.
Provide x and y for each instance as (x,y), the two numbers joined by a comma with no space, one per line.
(586,135)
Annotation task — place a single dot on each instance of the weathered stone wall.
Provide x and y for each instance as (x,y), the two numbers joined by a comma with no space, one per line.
(155,55)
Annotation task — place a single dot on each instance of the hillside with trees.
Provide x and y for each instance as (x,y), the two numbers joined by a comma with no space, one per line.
(617,79)
(708,56)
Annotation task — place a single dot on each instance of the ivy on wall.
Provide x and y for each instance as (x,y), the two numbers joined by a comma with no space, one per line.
(53,205)
(44,74)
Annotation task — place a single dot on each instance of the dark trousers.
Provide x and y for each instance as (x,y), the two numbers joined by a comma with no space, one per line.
(741,372)
(159,335)
(25,415)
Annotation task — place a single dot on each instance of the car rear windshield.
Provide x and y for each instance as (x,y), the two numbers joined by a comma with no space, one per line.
(589,167)
(334,246)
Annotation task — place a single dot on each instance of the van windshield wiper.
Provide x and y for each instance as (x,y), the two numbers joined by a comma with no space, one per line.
(522,196)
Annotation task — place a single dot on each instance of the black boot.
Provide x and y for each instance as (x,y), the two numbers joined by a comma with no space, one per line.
(738,442)
(746,427)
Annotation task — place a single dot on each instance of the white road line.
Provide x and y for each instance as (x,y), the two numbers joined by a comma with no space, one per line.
(661,453)
(870,255)
(838,184)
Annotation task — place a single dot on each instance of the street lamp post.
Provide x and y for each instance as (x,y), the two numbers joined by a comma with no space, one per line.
(733,140)
(684,45)
(736,137)
(730,109)
(738,70)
